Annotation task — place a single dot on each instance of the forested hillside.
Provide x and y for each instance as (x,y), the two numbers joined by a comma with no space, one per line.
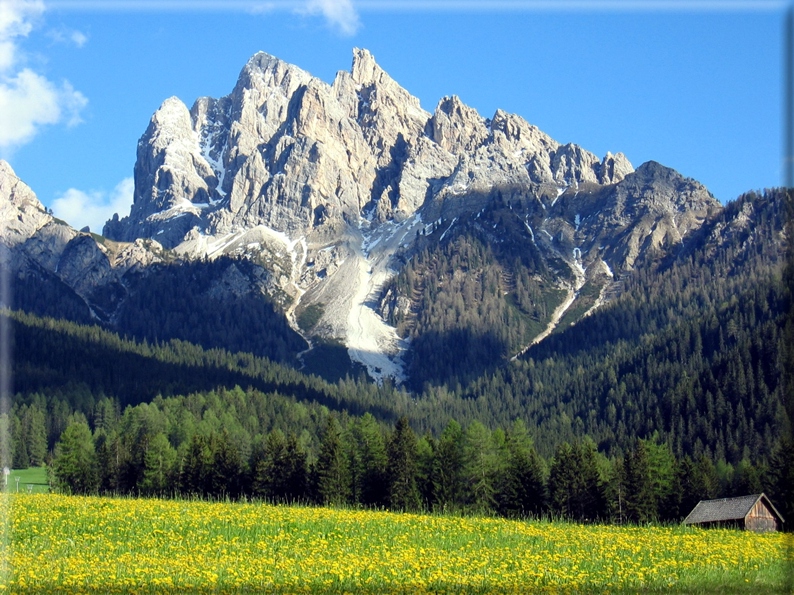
(693,358)
(693,349)
(215,304)
(471,297)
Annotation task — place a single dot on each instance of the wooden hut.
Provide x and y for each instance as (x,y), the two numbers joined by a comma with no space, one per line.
(753,513)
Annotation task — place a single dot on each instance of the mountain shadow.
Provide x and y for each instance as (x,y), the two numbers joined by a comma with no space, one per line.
(215,304)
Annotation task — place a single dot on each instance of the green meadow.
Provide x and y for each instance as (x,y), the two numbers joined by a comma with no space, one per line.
(93,545)
(31,480)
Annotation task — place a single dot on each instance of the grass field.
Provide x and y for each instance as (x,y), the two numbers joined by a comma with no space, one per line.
(31,480)
(60,544)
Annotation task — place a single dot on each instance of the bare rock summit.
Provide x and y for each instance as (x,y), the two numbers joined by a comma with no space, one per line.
(290,152)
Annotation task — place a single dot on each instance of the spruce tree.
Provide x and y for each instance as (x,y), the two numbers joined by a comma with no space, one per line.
(295,473)
(402,467)
(159,460)
(575,487)
(640,503)
(425,470)
(521,491)
(196,473)
(781,479)
(110,458)
(369,462)
(448,468)
(332,470)
(269,470)
(226,468)
(75,463)
(481,466)
(36,436)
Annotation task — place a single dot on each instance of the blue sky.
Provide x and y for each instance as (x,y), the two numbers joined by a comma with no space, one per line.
(695,85)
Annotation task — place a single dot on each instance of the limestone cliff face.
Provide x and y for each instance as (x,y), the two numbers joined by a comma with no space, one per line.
(290,152)
(21,213)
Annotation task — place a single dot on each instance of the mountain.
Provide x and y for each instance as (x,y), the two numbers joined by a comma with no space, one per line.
(330,190)
(484,274)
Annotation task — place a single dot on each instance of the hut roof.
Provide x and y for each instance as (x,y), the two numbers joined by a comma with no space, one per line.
(727,509)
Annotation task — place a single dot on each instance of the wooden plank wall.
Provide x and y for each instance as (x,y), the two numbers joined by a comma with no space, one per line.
(760,519)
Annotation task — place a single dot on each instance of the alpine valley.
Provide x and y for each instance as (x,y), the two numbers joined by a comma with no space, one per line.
(429,265)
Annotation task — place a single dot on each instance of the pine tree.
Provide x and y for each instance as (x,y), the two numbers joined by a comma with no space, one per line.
(640,503)
(332,469)
(521,491)
(75,465)
(402,468)
(159,460)
(369,462)
(448,468)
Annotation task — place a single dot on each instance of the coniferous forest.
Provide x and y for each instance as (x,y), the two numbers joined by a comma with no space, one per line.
(675,391)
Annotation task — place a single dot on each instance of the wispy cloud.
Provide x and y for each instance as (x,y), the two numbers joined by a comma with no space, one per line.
(28,100)
(68,36)
(340,14)
(93,209)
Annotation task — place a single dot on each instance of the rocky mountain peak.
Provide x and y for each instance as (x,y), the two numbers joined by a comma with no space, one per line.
(456,127)
(264,71)
(38,248)
(14,191)
(614,168)
(661,189)
(21,212)
(367,74)
(365,70)
(288,151)
(170,121)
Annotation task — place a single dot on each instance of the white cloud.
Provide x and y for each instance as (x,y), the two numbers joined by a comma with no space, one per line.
(339,13)
(16,20)
(93,209)
(28,100)
(78,38)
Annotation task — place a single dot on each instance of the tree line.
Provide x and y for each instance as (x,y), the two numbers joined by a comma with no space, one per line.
(244,444)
